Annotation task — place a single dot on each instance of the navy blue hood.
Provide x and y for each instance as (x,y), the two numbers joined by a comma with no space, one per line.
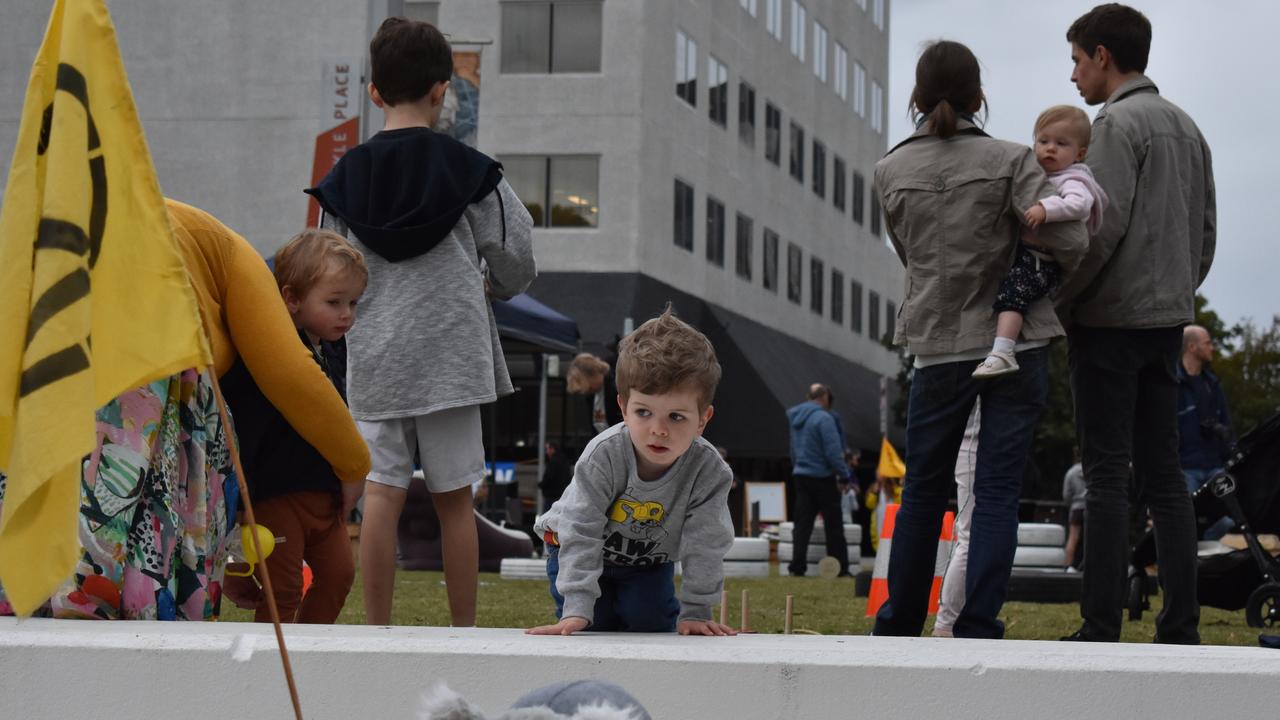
(403,191)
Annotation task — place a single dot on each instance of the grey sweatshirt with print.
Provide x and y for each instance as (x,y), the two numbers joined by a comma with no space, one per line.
(608,515)
(425,338)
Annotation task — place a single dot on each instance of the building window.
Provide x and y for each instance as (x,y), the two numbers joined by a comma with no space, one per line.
(859,192)
(877,107)
(819,169)
(686,69)
(859,90)
(773,18)
(684,216)
(820,51)
(742,252)
(816,274)
(794,272)
(715,232)
(877,13)
(837,297)
(551,37)
(838,182)
(890,320)
(875,214)
(567,184)
(718,91)
(749,6)
(799,20)
(873,315)
(746,114)
(772,133)
(855,306)
(423,11)
(769,264)
(797,152)
(841,71)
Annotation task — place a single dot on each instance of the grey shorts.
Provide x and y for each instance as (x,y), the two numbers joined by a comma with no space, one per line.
(448,443)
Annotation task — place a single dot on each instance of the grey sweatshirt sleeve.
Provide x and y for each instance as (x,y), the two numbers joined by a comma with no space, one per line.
(581,514)
(503,231)
(706,538)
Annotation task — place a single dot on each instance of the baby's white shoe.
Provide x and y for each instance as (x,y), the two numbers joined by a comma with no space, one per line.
(997,363)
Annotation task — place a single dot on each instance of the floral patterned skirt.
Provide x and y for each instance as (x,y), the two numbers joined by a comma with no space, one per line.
(158,500)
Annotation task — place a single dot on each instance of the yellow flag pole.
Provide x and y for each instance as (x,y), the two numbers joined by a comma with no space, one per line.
(257,547)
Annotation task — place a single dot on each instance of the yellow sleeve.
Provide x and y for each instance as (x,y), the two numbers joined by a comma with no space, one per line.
(265,338)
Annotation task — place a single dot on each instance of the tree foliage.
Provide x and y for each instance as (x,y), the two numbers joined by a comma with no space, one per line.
(1250,373)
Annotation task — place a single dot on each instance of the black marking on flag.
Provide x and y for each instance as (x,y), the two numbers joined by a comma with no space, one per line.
(57,298)
(62,235)
(62,364)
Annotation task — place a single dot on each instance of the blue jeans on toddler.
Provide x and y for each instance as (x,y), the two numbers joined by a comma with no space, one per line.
(632,599)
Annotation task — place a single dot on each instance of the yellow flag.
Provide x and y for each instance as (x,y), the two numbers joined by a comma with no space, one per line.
(94,299)
(890,464)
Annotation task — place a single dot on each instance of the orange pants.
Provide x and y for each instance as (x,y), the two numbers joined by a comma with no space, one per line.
(312,531)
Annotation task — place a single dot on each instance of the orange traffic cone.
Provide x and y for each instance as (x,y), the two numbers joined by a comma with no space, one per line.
(880,575)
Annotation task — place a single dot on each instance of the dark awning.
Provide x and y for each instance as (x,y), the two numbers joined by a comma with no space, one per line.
(528,321)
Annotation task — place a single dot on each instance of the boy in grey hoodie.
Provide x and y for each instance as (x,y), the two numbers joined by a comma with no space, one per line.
(441,231)
(645,493)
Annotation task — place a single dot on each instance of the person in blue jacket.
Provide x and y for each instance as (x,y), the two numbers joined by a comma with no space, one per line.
(820,474)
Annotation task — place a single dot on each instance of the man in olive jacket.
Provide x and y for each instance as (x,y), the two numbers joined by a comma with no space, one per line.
(1125,308)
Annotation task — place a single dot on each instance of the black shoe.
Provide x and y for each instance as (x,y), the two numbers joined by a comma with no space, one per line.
(1081,636)
(1195,640)
(793,573)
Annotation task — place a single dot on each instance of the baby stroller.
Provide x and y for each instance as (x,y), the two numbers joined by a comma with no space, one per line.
(1249,578)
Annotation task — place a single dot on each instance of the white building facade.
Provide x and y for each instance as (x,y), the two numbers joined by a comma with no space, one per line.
(714,153)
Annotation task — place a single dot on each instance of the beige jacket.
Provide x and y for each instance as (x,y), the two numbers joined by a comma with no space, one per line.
(1158,234)
(953,209)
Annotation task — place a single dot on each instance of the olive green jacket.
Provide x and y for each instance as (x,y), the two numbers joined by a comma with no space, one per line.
(953,209)
(1158,234)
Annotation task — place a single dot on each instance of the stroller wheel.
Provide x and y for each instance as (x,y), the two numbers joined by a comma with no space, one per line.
(1136,596)
(1263,608)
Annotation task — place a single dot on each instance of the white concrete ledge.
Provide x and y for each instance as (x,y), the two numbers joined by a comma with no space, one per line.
(57,669)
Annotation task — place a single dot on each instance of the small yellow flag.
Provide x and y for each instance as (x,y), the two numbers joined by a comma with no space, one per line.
(94,299)
(890,464)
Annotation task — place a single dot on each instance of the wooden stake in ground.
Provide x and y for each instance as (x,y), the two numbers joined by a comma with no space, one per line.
(724,607)
(746,613)
(269,596)
(786,622)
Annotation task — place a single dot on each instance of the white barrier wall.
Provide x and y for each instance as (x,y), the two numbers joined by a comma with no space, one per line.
(57,669)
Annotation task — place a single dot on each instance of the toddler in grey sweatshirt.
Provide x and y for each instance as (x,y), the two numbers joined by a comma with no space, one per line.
(645,493)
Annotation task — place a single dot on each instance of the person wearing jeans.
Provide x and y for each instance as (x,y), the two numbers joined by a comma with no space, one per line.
(1125,309)
(954,199)
(942,397)
(627,593)
(1125,388)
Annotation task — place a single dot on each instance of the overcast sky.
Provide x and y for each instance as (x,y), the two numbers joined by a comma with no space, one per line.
(1216,60)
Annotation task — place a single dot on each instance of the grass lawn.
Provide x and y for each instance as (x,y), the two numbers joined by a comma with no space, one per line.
(823,606)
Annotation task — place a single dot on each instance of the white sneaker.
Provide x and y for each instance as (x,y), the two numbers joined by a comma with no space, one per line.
(997,363)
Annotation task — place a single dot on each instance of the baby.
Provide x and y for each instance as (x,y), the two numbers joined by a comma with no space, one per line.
(1061,141)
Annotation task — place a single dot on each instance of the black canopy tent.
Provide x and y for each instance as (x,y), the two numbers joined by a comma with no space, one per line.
(527,326)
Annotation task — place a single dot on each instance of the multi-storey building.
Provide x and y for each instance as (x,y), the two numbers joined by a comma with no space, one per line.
(717,154)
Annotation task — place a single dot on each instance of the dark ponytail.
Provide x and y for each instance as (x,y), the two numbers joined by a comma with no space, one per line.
(948,82)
